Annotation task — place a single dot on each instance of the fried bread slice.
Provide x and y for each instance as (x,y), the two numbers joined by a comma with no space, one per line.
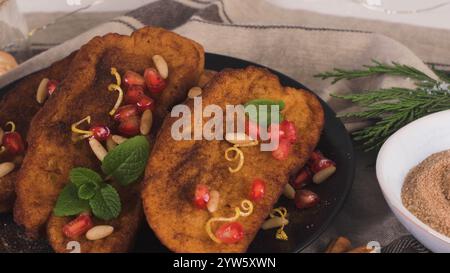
(171,177)
(19,105)
(52,153)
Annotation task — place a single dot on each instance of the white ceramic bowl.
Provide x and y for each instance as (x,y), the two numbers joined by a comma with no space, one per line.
(401,152)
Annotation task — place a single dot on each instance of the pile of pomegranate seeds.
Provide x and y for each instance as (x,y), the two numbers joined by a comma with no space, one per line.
(318,169)
(137,102)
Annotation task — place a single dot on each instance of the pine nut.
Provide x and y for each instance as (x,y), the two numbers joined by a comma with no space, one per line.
(213,203)
(99,232)
(146,122)
(110,144)
(240,139)
(119,139)
(194,92)
(42,93)
(324,174)
(161,66)
(274,222)
(289,191)
(6,168)
(98,149)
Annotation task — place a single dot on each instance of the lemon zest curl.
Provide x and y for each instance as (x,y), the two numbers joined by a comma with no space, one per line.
(238,155)
(244,210)
(115,87)
(76,130)
(116,75)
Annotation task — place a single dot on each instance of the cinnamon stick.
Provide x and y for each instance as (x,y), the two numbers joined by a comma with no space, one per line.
(339,245)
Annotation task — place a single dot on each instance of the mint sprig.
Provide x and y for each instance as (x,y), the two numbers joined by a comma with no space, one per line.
(87,190)
(127,162)
(83,194)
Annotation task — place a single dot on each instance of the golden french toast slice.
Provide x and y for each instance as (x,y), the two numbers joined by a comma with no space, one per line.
(84,92)
(177,168)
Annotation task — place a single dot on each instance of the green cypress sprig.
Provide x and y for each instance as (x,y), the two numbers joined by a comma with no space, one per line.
(392,108)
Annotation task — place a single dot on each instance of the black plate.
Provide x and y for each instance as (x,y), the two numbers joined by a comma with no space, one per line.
(304,227)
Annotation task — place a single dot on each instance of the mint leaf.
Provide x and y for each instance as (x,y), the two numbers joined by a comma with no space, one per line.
(267,102)
(263,118)
(87,191)
(106,203)
(81,176)
(68,202)
(127,162)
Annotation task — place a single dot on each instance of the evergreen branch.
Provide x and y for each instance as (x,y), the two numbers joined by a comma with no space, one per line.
(378,68)
(392,108)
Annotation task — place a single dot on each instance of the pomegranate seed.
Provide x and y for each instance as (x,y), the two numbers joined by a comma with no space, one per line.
(306,199)
(132,78)
(273,128)
(100,132)
(78,226)
(289,131)
(201,196)
(13,143)
(230,233)
(51,86)
(126,112)
(134,94)
(321,164)
(145,103)
(130,126)
(303,178)
(155,83)
(315,156)
(283,150)
(258,189)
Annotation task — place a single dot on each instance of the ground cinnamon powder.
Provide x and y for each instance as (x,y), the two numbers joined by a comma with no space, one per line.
(426,192)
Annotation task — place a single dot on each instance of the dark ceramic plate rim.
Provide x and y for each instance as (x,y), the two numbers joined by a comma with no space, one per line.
(330,116)
(218,62)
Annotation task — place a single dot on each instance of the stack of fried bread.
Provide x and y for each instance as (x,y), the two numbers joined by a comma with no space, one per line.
(175,167)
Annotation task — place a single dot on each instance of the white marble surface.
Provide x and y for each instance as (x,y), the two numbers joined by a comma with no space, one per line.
(70,5)
(438,18)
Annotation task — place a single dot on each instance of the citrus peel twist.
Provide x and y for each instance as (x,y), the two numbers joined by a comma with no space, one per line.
(115,87)
(244,210)
(116,75)
(238,155)
(85,133)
